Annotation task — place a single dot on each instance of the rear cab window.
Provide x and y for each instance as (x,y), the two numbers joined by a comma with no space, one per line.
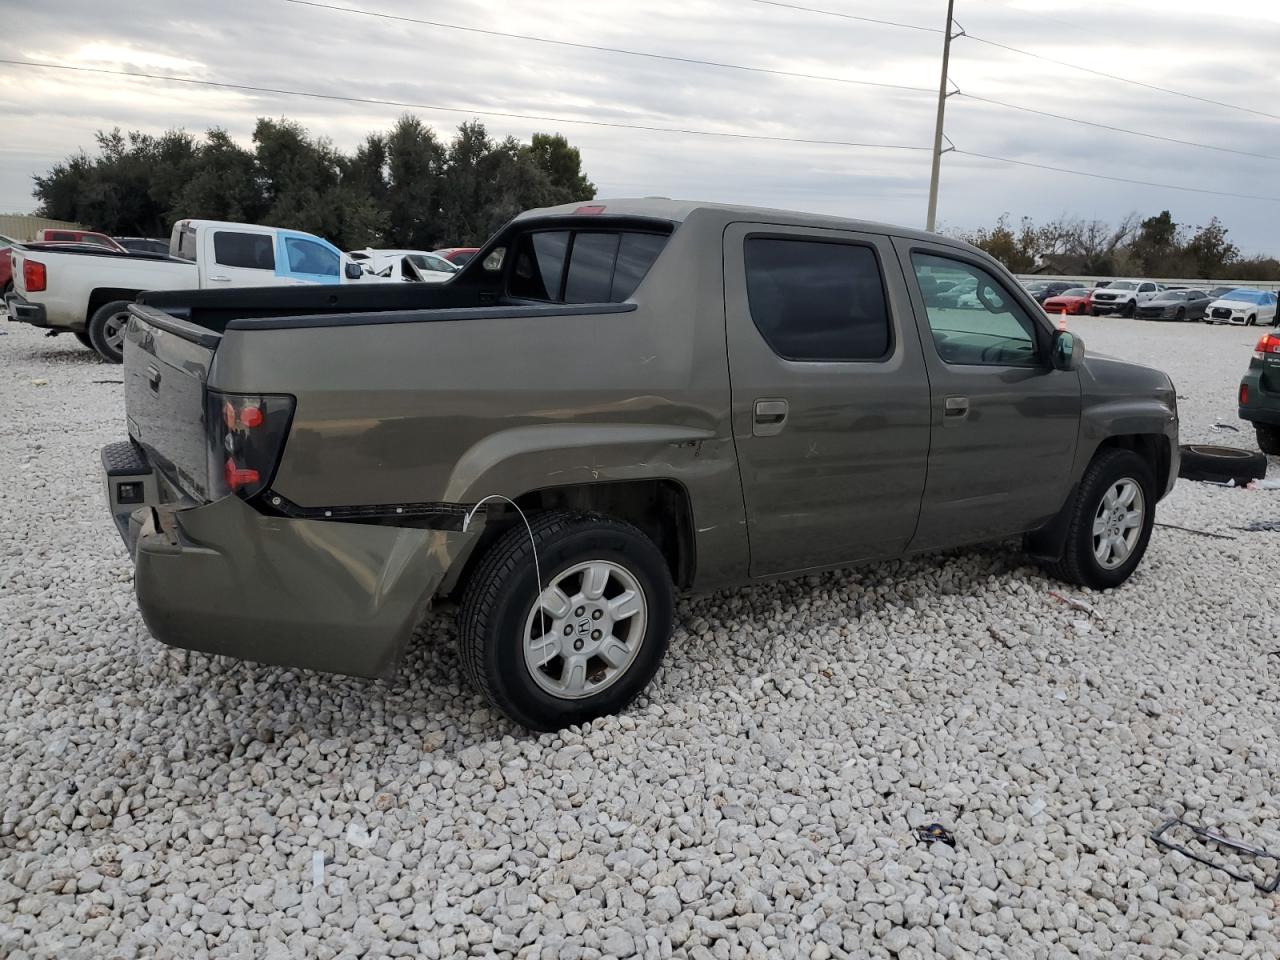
(578,265)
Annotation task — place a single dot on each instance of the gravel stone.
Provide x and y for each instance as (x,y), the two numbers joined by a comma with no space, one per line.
(160,803)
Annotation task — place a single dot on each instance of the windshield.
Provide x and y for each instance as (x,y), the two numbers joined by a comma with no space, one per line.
(1244,296)
(1074,292)
(425,261)
(1173,295)
(1123,285)
(1037,286)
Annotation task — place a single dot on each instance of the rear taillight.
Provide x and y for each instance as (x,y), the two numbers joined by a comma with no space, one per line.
(246,434)
(1244,394)
(33,276)
(1270,343)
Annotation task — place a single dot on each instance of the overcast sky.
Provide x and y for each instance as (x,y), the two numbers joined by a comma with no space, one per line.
(1230,54)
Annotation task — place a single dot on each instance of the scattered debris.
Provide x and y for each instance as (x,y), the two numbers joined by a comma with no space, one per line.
(935,833)
(1212,838)
(1219,425)
(40,382)
(106,381)
(358,836)
(1081,626)
(1075,604)
(1264,485)
(1262,526)
(1202,533)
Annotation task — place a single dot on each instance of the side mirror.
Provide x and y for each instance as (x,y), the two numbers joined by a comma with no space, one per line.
(353,271)
(1066,351)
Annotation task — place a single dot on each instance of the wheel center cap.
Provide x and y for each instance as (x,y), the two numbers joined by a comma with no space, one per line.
(584,626)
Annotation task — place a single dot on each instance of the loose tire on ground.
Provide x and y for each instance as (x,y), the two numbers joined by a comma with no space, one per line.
(1094,516)
(499,636)
(1268,438)
(1221,464)
(106,330)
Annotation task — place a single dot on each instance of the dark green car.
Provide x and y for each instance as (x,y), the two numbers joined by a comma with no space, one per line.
(1260,393)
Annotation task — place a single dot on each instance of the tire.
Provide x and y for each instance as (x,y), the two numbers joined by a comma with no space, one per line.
(497,620)
(106,333)
(1268,438)
(84,339)
(1130,309)
(1080,563)
(1181,314)
(1251,321)
(1221,464)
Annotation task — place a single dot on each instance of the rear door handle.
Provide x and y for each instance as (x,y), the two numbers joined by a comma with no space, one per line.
(220,279)
(153,377)
(769,418)
(956,408)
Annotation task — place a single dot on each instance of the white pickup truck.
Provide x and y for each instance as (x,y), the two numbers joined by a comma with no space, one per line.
(87,292)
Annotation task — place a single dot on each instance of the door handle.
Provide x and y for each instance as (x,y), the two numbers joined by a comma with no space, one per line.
(956,408)
(769,418)
(220,279)
(153,378)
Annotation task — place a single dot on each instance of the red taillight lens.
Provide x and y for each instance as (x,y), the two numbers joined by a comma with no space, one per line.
(1244,394)
(1270,343)
(246,437)
(33,276)
(590,210)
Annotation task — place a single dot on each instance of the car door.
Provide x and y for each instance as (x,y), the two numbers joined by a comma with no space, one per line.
(307,259)
(830,401)
(1197,301)
(239,257)
(1146,291)
(1004,422)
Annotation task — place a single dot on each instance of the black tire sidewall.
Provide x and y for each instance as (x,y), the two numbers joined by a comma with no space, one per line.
(1242,466)
(1119,466)
(96,330)
(503,656)
(1268,439)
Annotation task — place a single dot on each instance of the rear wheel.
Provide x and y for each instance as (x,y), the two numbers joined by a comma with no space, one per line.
(1110,523)
(106,330)
(1268,438)
(83,338)
(585,641)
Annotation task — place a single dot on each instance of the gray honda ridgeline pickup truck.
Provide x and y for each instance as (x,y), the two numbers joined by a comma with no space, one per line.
(678,396)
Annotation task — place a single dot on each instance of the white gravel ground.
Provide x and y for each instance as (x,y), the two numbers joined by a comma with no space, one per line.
(755,804)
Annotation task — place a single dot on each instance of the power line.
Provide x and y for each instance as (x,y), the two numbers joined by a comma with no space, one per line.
(1107,126)
(671,58)
(224,85)
(847,16)
(1104,176)
(1120,79)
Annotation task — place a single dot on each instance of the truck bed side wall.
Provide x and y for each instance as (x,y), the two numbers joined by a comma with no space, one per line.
(455,410)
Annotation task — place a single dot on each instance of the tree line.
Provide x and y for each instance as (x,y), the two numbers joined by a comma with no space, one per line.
(404,188)
(1136,247)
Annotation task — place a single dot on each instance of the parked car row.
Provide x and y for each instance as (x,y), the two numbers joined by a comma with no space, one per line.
(1149,300)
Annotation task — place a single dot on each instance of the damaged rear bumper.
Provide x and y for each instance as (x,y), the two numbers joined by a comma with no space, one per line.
(223,578)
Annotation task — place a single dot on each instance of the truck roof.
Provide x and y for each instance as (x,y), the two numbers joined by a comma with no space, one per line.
(677,211)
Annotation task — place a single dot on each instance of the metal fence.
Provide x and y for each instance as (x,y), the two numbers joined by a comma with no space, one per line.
(24,227)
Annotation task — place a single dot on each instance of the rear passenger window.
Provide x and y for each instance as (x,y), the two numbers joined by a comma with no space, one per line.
(251,250)
(815,300)
(636,253)
(539,265)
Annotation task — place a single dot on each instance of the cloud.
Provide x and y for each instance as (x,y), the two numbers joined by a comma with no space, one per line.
(46,115)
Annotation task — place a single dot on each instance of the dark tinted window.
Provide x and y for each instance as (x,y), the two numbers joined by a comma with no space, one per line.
(539,265)
(636,254)
(817,301)
(591,268)
(252,250)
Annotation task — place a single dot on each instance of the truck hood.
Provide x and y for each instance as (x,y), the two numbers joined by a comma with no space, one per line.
(1102,375)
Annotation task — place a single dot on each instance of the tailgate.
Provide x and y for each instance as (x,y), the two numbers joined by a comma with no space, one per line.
(166,364)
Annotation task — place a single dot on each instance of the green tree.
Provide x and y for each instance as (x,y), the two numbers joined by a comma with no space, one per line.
(1210,251)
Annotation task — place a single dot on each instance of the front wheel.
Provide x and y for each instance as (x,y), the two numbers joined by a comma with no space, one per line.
(1110,523)
(583,643)
(106,330)
(1130,309)
(1181,315)
(1251,321)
